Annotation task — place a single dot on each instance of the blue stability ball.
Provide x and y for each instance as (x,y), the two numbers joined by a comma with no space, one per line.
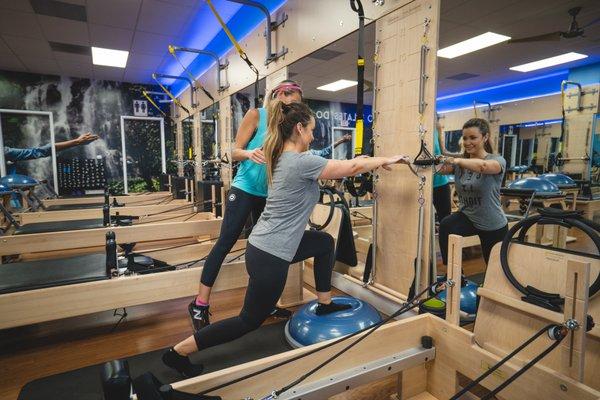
(306,328)
(16,181)
(540,185)
(560,180)
(468,297)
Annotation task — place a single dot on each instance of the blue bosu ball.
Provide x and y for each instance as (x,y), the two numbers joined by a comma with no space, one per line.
(539,185)
(468,297)
(16,181)
(560,180)
(306,328)
(4,190)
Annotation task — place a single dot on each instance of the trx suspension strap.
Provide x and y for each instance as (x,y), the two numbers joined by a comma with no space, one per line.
(164,89)
(147,96)
(238,48)
(357,7)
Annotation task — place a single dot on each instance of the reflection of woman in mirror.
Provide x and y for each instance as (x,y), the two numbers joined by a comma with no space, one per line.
(246,197)
(478,177)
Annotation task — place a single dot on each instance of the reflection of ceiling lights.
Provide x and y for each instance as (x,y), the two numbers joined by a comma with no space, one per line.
(338,85)
(470,45)
(109,57)
(548,62)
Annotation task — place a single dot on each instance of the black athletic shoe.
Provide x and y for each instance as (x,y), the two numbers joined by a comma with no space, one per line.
(199,315)
(281,313)
(181,364)
(324,309)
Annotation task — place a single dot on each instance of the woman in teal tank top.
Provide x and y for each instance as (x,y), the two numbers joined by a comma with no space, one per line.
(247,195)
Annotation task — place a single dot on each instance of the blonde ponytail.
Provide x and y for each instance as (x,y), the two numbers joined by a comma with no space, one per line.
(273,146)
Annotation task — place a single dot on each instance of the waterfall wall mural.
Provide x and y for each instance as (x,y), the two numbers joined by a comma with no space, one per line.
(79,106)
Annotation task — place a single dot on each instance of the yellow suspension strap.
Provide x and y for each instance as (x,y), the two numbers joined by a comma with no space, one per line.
(147,96)
(238,48)
(175,100)
(357,7)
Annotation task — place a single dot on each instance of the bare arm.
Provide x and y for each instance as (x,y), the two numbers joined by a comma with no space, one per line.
(486,167)
(243,137)
(336,169)
(83,139)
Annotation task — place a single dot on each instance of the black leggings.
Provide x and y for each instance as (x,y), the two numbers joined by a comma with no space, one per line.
(268,275)
(441,201)
(459,224)
(240,205)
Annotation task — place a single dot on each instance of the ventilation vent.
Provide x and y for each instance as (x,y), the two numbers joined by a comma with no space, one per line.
(70,48)
(462,77)
(325,54)
(59,9)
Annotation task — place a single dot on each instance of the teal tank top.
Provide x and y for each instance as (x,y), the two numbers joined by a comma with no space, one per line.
(252,177)
(438,179)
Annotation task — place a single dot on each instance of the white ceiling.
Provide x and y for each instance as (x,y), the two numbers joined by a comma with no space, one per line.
(146,27)
(460,20)
(142,27)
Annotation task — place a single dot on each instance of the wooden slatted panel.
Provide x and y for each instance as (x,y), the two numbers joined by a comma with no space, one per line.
(400,36)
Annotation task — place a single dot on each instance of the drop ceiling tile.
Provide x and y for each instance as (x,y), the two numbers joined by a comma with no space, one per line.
(11,62)
(68,58)
(4,49)
(151,43)
(134,75)
(28,47)
(20,23)
(23,6)
(75,70)
(110,37)
(78,2)
(144,61)
(64,30)
(118,13)
(163,18)
(187,3)
(108,73)
(47,66)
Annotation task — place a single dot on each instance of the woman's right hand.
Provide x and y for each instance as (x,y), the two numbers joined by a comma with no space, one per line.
(256,155)
(398,159)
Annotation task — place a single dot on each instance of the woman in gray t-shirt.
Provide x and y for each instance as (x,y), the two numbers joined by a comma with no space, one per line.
(280,237)
(477,179)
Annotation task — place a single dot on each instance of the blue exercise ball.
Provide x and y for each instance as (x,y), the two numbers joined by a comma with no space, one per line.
(560,180)
(16,181)
(306,328)
(539,185)
(468,297)
(4,190)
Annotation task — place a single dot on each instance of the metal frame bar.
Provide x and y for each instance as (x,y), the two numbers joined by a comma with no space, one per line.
(52,141)
(358,376)
(192,87)
(124,152)
(220,67)
(271,26)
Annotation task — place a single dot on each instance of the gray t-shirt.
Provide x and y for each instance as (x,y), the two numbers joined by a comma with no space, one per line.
(479,196)
(292,197)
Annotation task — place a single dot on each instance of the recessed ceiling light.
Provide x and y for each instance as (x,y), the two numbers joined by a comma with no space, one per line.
(548,62)
(109,57)
(338,85)
(470,45)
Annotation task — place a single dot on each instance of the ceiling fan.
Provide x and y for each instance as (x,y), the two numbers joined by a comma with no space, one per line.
(573,32)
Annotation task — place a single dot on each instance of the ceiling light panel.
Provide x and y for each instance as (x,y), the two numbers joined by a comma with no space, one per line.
(470,45)
(548,62)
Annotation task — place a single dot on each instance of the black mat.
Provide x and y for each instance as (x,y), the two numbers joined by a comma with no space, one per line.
(84,383)
(60,207)
(29,275)
(59,226)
